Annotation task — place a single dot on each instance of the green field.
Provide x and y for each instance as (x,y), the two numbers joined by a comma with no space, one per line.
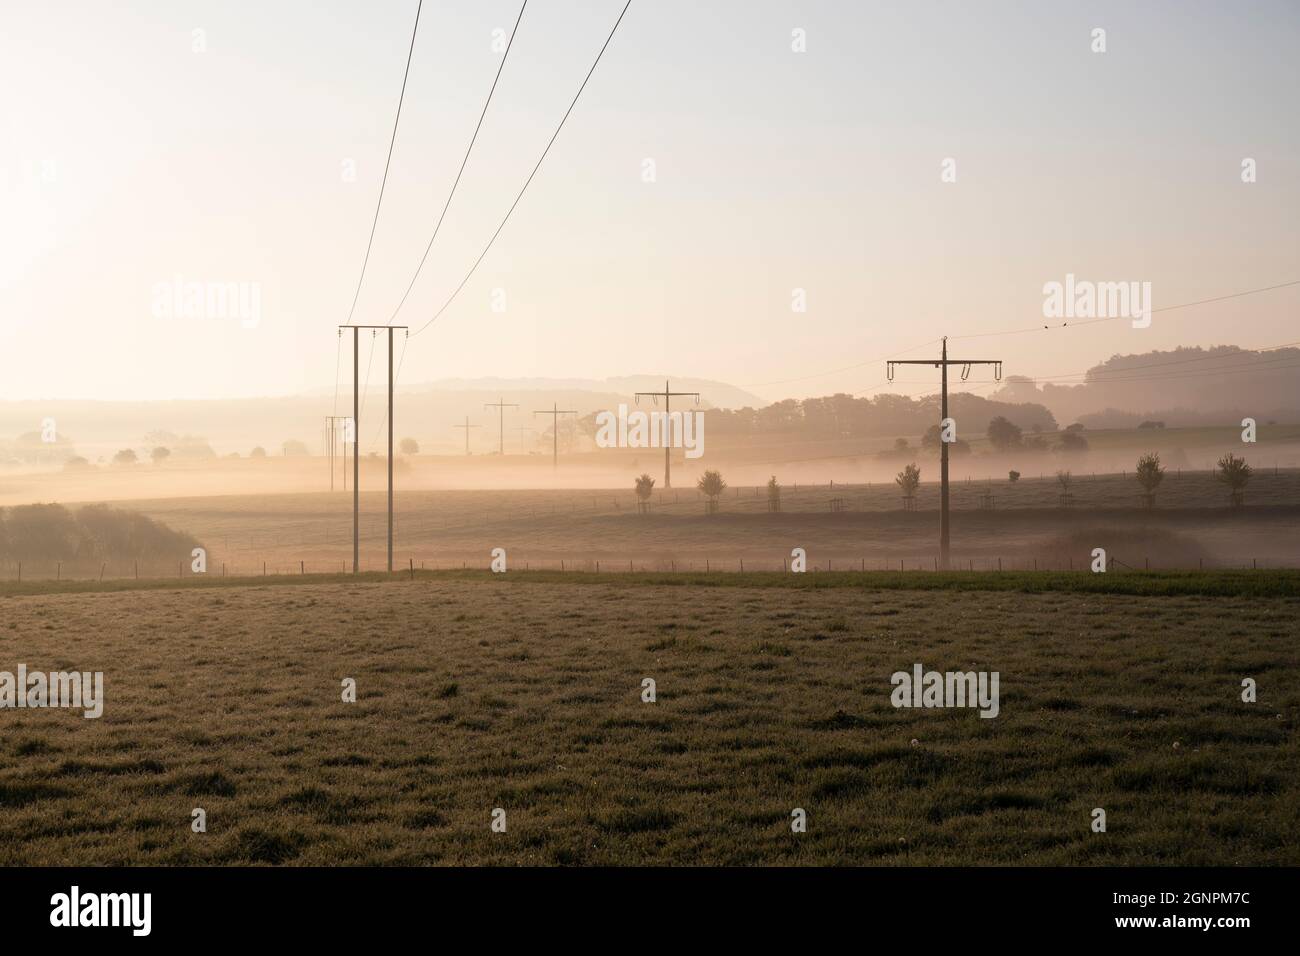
(523,692)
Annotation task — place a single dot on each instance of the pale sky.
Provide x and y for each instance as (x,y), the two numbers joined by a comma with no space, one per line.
(128,159)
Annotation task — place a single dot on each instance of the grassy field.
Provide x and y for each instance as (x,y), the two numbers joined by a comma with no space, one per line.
(523,691)
(289,533)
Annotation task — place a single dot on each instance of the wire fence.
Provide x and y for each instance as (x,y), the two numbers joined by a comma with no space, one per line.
(19,571)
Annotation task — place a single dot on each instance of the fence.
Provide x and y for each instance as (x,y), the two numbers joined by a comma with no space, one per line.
(17,571)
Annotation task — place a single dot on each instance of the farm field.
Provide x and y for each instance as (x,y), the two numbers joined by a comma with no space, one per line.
(524,692)
(1026,528)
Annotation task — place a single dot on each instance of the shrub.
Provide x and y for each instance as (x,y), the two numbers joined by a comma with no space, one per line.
(909,479)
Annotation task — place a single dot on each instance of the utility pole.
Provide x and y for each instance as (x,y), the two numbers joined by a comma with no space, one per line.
(943,364)
(390,451)
(555,412)
(356,441)
(467,426)
(667,395)
(331,446)
(521,429)
(501,404)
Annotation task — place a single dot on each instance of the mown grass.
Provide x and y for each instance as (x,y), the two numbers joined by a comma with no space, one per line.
(475,694)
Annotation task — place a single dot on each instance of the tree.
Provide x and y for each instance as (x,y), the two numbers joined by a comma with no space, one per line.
(645,487)
(1013,476)
(294,447)
(1003,433)
(773,495)
(1149,476)
(909,479)
(1073,442)
(125,457)
(409,446)
(1234,472)
(901,444)
(932,440)
(258,452)
(712,485)
(160,455)
(1063,479)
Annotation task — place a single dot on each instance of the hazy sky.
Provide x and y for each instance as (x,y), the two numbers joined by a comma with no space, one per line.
(128,159)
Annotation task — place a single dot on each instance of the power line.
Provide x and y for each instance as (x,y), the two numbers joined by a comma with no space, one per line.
(463,162)
(1113,318)
(549,144)
(1035,328)
(384,182)
(396,376)
(338,355)
(366,387)
(1248,354)
(836,371)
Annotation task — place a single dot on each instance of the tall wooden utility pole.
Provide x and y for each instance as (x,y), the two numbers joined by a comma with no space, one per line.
(467,426)
(667,395)
(943,364)
(555,412)
(501,404)
(356,441)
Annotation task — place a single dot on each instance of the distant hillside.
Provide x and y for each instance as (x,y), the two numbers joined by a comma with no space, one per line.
(1183,387)
(430,413)
(715,394)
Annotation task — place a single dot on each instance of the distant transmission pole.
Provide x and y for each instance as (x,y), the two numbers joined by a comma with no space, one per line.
(467,426)
(356,441)
(331,446)
(501,404)
(667,395)
(555,412)
(943,364)
(521,429)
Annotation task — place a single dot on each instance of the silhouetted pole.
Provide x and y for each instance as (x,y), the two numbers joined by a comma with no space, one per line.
(501,404)
(521,429)
(390,450)
(356,448)
(667,396)
(332,431)
(555,412)
(356,441)
(943,364)
(467,426)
